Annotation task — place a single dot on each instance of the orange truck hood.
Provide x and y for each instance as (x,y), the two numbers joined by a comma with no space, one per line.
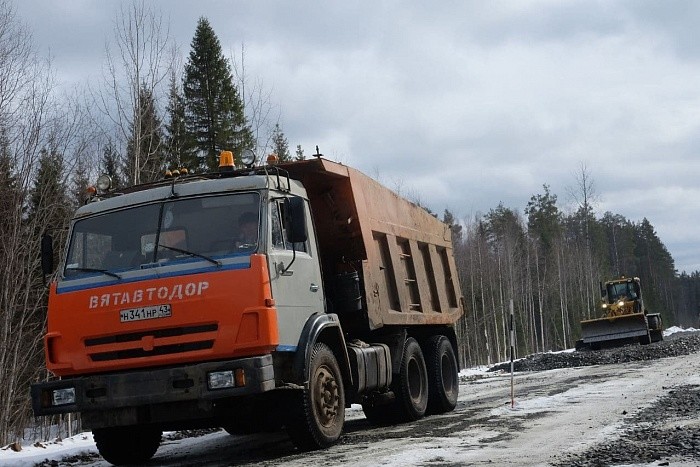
(180,319)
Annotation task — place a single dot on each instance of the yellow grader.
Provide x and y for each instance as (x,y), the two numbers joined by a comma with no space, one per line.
(623,319)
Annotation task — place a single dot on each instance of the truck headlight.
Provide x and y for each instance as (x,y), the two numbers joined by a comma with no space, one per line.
(227,379)
(221,380)
(620,303)
(63,396)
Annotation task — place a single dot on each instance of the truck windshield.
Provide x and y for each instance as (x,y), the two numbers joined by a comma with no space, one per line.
(147,235)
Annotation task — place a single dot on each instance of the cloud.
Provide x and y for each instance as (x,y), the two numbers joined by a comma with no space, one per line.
(463,104)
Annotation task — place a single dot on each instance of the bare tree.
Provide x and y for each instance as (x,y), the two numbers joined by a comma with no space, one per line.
(138,63)
(34,121)
(585,198)
(260,112)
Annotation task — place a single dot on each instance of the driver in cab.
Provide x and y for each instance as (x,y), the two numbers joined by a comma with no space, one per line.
(247,231)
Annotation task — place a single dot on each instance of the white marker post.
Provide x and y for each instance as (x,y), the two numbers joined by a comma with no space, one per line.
(512,356)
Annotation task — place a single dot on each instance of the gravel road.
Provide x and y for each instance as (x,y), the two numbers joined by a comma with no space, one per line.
(633,405)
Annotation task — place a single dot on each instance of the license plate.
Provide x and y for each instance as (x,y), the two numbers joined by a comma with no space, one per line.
(145,312)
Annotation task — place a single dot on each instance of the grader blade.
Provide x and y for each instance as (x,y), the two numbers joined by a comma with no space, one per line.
(614,328)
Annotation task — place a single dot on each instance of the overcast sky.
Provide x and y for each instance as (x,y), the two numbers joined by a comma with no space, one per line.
(463,104)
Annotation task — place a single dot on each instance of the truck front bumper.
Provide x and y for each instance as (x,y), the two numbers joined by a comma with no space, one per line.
(152,387)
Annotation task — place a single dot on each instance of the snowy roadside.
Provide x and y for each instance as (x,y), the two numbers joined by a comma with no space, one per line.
(80,449)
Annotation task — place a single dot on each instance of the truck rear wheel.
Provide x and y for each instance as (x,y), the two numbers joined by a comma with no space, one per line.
(317,414)
(443,375)
(412,386)
(127,445)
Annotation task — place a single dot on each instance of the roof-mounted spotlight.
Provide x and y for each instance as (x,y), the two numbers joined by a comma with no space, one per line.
(104,182)
(248,157)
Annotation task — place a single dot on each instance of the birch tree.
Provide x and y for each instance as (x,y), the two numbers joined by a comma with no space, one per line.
(138,62)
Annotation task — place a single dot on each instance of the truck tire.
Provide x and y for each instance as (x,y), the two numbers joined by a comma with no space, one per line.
(127,445)
(412,386)
(317,413)
(443,375)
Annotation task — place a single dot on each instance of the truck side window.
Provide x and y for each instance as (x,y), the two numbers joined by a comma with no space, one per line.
(277,234)
(279,237)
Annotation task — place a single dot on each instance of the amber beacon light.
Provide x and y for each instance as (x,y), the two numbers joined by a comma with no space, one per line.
(226,161)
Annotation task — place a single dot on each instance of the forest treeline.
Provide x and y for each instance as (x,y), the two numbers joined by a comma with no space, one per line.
(551,265)
(149,113)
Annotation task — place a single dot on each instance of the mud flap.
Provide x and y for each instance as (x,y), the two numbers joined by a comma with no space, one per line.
(617,327)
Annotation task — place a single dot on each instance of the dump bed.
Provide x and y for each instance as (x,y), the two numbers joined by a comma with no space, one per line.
(401,255)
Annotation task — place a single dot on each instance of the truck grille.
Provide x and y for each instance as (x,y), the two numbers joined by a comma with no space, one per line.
(139,352)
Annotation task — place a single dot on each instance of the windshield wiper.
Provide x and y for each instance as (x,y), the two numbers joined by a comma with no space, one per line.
(103,271)
(191,253)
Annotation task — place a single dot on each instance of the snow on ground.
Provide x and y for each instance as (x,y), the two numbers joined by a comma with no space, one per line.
(33,452)
(675,329)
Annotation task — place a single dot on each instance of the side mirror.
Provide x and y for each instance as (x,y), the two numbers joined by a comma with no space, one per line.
(295,208)
(603,292)
(46,254)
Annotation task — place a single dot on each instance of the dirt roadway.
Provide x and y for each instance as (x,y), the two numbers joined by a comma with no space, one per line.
(561,417)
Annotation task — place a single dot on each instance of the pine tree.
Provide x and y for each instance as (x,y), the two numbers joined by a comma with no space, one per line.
(145,160)
(280,144)
(544,218)
(449,219)
(214,116)
(178,144)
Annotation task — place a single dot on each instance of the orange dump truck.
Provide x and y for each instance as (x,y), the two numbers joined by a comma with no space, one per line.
(167,315)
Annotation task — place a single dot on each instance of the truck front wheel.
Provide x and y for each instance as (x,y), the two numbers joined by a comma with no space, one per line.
(127,445)
(443,375)
(317,413)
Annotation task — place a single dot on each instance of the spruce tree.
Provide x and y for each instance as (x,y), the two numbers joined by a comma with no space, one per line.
(10,193)
(280,145)
(80,182)
(145,158)
(300,153)
(178,144)
(49,205)
(111,166)
(214,116)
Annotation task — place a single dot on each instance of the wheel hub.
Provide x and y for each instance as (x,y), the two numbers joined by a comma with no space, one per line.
(327,395)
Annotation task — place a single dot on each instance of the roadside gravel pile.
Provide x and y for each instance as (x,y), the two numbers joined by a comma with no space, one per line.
(682,343)
(657,435)
(666,431)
